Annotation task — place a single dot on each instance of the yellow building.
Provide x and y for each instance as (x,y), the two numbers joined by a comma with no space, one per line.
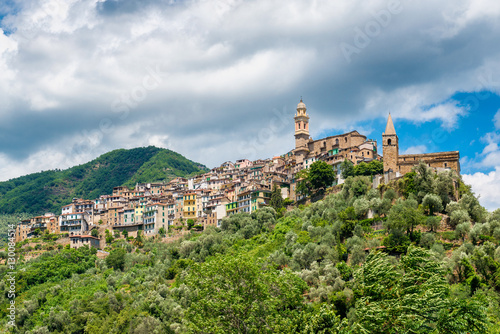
(189,205)
(259,199)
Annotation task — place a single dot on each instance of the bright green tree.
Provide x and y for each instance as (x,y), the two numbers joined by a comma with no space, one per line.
(321,175)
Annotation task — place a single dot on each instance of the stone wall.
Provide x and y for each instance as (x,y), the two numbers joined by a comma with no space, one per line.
(444,160)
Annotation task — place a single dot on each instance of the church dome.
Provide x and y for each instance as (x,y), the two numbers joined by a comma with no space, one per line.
(301,105)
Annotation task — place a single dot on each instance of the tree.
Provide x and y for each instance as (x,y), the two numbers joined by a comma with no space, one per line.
(462,230)
(390,194)
(116,259)
(139,241)
(347,169)
(162,232)
(125,234)
(303,184)
(444,187)
(433,203)
(433,223)
(471,204)
(95,233)
(361,206)
(374,167)
(458,217)
(190,224)
(424,179)
(404,217)
(276,199)
(321,175)
(235,295)
(109,237)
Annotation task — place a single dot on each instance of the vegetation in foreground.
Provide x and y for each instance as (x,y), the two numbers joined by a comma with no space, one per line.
(321,268)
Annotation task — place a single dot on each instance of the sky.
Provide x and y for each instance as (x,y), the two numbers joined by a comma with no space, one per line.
(219,80)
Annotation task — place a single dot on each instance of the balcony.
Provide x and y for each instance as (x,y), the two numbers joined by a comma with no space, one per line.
(71,223)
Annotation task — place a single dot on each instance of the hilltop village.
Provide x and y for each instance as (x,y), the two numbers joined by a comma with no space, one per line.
(242,186)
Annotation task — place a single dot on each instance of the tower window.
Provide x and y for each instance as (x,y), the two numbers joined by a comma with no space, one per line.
(345,139)
(389,141)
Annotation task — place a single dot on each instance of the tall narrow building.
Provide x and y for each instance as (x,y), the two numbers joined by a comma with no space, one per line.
(390,147)
(301,132)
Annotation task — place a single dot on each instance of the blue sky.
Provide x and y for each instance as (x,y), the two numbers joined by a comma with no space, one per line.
(220,80)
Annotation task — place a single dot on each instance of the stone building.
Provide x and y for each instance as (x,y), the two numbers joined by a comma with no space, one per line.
(352,145)
(396,164)
(77,241)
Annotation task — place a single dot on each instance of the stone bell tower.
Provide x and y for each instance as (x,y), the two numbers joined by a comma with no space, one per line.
(301,132)
(390,147)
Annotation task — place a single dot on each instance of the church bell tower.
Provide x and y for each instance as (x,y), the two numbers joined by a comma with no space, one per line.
(390,146)
(301,132)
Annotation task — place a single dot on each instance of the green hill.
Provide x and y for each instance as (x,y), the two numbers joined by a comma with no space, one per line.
(49,190)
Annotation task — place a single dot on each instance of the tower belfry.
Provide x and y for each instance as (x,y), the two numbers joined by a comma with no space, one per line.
(390,147)
(301,131)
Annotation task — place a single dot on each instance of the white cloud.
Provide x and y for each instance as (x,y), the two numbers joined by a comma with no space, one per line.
(496,120)
(418,149)
(487,186)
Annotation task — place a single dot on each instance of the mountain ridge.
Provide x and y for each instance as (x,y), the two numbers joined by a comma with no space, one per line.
(47,191)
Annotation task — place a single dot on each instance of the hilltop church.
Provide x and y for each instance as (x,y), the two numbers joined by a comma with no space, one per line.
(357,148)
(333,149)
(400,164)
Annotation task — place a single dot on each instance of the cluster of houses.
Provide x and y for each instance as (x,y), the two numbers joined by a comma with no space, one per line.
(243,186)
(203,200)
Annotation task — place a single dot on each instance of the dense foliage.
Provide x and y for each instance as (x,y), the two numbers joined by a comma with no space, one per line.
(321,268)
(47,191)
(373,167)
(316,178)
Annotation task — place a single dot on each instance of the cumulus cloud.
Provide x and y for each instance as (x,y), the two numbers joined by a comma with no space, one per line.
(219,80)
(418,149)
(486,185)
(496,120)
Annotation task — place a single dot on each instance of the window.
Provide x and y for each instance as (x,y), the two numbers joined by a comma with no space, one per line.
(389,141)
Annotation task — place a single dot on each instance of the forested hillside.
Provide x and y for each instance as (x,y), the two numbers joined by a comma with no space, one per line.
(321,268)
(49,190)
